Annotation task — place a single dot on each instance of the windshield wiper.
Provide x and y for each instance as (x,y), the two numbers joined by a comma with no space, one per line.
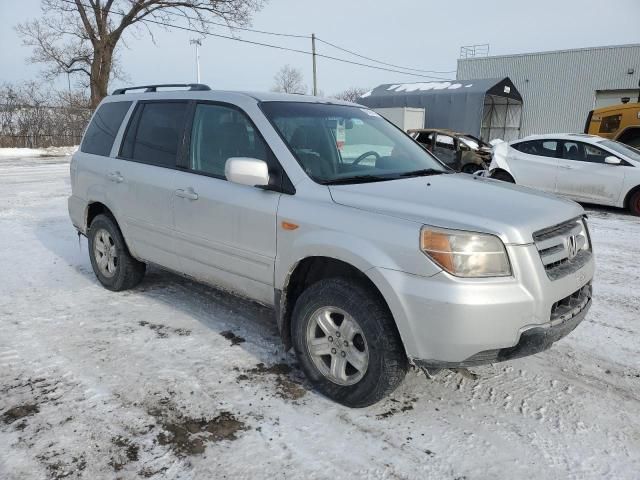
(425,172)
(359,179)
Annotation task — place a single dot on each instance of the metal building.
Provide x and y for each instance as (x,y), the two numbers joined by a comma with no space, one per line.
(559,88)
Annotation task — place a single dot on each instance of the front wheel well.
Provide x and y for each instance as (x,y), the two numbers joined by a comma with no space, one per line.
(502,174)
(307,272)
(630,194)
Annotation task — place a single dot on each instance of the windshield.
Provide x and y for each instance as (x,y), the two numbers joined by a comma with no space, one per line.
(339,143)
(626,150)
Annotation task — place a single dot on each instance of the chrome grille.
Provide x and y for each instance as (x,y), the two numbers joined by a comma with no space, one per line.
(555,245)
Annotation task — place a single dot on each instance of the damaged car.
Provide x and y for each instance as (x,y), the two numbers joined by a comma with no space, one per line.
(584,168)
(459,151)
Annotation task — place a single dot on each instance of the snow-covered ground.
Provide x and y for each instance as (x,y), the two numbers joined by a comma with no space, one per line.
(37,152)
(177,380)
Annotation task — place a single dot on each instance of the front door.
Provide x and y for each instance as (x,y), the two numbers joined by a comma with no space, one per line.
(584,176)
(225,232)
(534,163)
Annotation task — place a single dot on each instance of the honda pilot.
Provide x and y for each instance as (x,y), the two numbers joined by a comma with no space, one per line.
(374,255)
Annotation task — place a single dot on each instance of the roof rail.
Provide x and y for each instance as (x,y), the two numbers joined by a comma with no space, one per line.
(193,87)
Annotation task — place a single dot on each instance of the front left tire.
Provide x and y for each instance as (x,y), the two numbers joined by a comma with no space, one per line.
(346,342)
(112,263)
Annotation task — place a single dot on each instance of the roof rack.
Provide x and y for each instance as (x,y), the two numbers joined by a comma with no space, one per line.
(193,87)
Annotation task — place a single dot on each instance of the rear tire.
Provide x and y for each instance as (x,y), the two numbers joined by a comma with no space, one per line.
(342,321)
(503,176)
(112,263)
(634,203)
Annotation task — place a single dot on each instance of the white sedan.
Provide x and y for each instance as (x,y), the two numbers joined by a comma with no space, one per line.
(585,168)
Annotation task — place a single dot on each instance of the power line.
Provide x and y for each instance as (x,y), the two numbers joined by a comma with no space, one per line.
(381,62)
(291,35)
(269,45)
(234,27)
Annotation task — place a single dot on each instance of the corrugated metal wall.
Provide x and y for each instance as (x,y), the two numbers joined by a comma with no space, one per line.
(558,88)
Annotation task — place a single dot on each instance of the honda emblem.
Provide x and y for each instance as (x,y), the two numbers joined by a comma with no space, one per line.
(572,246)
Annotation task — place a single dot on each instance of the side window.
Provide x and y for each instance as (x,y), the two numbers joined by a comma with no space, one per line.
(610,124)
(445,141)
(220,133)
(155,133)
(547,148)
(583,152)
(523,147)
(541,148)
(425,138)
(102,131)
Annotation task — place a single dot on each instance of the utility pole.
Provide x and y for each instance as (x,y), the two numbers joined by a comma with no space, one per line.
(313,55)
(198,43)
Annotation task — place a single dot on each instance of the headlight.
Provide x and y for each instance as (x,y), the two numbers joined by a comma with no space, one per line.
(584,233)
(465,254)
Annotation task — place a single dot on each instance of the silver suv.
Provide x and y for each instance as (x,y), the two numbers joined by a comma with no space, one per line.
(374,255)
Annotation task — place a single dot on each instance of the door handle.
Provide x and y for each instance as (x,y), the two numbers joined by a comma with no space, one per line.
(189,193)
(566,167)
(115,177)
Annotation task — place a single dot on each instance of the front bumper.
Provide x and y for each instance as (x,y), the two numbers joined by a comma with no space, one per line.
(532,340)
(449,321)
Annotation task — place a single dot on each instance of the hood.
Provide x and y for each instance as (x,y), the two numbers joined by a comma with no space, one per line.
(463,202)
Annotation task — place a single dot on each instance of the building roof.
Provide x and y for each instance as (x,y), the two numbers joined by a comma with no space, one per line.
(551,52)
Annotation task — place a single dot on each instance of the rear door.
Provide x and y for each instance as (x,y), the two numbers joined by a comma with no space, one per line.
(225,232)
(93,169)
(584,176)
(534,163)
(149,153)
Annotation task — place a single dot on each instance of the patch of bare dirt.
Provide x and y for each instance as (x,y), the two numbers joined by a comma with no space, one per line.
(127,453)
(287,386)
(162,331)
(399,407)
(189,436)
(235,339)
(18,412)
(59,468)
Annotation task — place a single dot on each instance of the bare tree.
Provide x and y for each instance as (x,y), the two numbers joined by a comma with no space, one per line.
(351,94)
(289,80)
(80,37)
(33,115)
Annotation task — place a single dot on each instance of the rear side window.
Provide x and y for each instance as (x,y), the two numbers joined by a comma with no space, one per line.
(445,141)
(425,137)
(541,148)
(104,126)
(155,133)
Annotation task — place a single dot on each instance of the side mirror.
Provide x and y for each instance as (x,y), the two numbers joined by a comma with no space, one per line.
(611,160)
(247,171)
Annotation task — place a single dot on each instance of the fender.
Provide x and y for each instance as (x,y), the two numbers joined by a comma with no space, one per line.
(499,158)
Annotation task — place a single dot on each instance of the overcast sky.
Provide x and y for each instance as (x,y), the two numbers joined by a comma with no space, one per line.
(419,34)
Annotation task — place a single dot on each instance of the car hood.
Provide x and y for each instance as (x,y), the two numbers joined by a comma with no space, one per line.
(462,201)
